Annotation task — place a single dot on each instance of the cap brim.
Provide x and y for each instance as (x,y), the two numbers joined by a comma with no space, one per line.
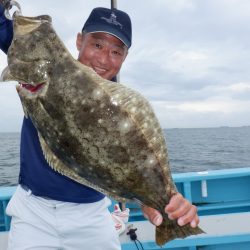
(107,29)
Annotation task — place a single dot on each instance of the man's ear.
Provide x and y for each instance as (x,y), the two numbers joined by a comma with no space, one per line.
(79,40)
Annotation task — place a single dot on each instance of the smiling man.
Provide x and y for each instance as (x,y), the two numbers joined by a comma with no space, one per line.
(102,52)
(49,210)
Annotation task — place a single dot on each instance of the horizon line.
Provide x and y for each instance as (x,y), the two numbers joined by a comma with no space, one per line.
(224,126)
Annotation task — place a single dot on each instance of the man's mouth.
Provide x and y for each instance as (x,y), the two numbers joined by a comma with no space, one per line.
(99,70)
(31,87)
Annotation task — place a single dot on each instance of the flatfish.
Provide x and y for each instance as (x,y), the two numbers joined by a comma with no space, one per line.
(97,132)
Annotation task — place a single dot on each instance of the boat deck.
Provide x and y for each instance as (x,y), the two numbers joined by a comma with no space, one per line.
(223,201)
(225,231)
(229,231)
(3,240)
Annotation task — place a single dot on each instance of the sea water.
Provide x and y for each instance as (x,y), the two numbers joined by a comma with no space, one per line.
(190,150)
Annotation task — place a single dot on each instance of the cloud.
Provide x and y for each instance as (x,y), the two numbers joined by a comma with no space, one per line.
(240,87)
(208,113)
(3,60)
(190,58)
(11,113)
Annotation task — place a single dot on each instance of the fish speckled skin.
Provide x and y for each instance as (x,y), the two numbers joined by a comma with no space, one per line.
(99,133)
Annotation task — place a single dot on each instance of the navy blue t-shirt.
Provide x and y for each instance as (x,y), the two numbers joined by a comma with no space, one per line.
(35,173)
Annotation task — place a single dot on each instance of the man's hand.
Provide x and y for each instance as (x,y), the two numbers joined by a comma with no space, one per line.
(178,208)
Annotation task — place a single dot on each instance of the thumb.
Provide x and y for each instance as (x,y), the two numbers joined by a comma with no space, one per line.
(152,215)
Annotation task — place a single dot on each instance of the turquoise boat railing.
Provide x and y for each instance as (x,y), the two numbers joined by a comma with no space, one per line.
(5,195)
(215,192)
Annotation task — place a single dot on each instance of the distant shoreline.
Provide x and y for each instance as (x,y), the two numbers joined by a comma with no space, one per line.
(245,126)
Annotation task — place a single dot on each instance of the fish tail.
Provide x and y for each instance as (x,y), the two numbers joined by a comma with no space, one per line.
(170,230)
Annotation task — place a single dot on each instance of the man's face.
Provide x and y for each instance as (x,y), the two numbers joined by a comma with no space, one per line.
(102,52)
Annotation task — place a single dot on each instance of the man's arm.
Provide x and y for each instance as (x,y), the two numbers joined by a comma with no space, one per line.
(6,31)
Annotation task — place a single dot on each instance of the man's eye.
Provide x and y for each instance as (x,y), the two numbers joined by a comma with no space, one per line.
(115,52)
(97,45)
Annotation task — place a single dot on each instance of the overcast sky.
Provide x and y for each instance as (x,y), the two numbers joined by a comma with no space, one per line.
(190,58)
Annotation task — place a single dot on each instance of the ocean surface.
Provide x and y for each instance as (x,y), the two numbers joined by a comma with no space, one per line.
(190,150)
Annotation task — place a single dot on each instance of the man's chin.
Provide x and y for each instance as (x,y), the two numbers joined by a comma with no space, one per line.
(104,76)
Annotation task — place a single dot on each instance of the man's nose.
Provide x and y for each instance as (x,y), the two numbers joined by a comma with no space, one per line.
(103,57)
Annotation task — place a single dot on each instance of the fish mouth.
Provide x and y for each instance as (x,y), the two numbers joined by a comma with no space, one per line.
(32,88)
(30,92)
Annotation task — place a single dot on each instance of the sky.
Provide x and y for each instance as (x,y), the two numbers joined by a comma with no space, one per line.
(189,58)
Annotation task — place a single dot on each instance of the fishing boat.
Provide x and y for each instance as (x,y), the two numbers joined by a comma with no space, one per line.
(223,201)
(221,196)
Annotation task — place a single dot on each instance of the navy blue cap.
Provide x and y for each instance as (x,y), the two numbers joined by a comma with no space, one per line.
(111,21)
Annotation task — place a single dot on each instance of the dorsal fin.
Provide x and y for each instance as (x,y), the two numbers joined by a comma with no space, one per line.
(57,165)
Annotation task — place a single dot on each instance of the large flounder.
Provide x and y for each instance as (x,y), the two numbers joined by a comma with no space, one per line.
(99,133)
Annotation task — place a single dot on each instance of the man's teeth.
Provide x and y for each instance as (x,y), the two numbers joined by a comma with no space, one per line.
(99,70)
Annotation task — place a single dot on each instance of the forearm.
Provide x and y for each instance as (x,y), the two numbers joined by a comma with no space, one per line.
(6,31)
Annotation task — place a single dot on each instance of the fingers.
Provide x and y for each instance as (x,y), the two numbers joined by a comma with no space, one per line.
(178,209)
(181,209)
(189,217)
(178,206)
(152,215)
(195,222)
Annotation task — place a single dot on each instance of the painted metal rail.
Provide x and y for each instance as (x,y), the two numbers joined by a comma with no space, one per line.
(223,201)
(213,192)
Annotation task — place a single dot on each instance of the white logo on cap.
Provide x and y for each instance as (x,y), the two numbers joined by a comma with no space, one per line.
(112,20)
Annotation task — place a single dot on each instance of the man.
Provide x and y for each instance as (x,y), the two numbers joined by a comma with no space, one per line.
(50,211)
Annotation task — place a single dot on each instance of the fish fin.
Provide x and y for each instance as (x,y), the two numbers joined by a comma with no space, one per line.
(57,165)
(24,25)
(25,111)
(170,230)
(6,75)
